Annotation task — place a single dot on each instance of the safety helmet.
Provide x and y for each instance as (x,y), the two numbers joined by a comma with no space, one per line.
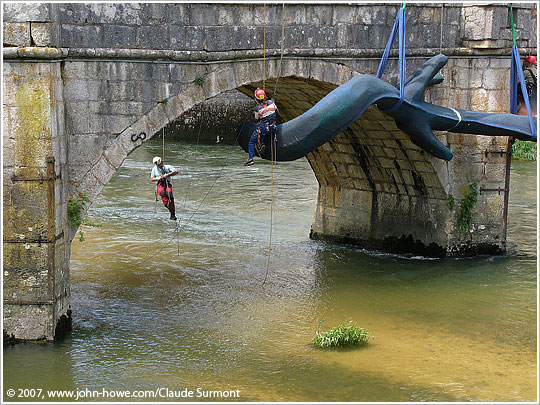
(260,94)
(531,59)
(157,160)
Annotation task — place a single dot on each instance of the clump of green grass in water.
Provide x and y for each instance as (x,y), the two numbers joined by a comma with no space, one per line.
(346,334)
(524,150)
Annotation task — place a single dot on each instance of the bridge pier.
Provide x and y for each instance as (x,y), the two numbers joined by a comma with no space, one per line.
(36,245)
(379,191)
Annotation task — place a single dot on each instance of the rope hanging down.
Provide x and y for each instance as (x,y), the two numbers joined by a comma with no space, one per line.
(282,49)
(273,155)
(515,72)
(273,138)
(180,227)
(399,23)
(264,46)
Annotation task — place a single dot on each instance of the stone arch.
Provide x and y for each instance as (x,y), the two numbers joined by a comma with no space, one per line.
(305,81)
(369,175)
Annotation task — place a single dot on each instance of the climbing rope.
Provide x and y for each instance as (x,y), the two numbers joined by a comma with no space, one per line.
(282,49)
(163,144)
(196,150)
(442,20)
(273,149)
(162,157)
(179,228)
(399,23)
(273,140)
(264,46)
(272,158)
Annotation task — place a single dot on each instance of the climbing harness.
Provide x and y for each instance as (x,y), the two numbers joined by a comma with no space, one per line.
(399,23)
(271,129)
(267,107)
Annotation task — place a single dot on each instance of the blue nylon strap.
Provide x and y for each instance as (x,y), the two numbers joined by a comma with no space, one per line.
(513,85)
(400,23)
(516,68)
(384,59)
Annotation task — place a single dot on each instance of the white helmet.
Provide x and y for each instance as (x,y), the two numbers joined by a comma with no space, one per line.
(156,160)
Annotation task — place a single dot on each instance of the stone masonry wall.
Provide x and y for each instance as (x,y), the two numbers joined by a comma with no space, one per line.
(35,243)
(329,29)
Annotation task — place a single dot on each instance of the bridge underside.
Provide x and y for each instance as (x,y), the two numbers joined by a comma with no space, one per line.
(376,188)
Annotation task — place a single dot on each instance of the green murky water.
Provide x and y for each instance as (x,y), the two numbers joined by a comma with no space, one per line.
(152,310)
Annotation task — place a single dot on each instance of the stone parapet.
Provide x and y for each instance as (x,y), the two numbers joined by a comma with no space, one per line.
(214,28)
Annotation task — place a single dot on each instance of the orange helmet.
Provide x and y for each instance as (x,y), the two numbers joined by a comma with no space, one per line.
(260,94)
(531,59)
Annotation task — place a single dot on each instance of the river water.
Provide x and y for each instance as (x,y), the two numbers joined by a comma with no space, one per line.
(154,308)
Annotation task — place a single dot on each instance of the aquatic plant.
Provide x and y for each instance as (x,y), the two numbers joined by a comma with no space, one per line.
(467,206)
(524,151)
(346,334)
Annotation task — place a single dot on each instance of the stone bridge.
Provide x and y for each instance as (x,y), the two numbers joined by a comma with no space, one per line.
(81,79)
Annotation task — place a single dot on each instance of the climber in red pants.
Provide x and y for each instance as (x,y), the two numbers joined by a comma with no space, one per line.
(161,174)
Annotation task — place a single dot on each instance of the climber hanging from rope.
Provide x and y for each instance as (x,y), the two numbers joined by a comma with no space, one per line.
(161,174)
(265,114)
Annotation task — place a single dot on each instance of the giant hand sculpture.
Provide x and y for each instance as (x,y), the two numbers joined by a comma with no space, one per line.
(344,105)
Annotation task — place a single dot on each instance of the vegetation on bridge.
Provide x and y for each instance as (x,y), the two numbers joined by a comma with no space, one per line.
(524,150)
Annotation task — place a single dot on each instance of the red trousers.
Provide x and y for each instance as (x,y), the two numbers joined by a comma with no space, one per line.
(164,190)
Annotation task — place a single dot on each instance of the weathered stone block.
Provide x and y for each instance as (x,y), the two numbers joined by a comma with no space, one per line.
(479,101)
(247,38)
(84,36)
(119,36)
(23,218)
(177,14)
(16,34)
(89,147)
(478,22)
(26,271)
(29,322)
(25,12)
(494,79)
(29,152)
(187,38)
(320,16)
(153,37)
(202,14)
(43,34)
